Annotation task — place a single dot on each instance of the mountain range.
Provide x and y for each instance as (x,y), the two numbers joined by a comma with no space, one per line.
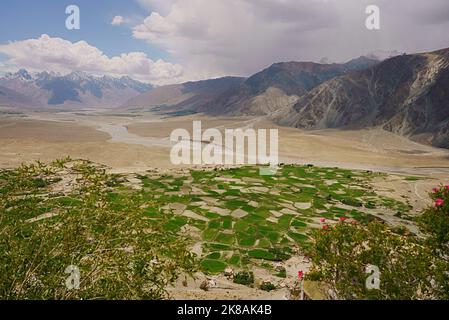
(406,94)
(278,86)
(77,89)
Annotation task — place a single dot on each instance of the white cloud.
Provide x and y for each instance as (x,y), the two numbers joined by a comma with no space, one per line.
(221,37)
(55,54)
(117,21)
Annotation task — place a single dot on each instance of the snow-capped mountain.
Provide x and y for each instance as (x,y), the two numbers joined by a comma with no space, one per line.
(77,89)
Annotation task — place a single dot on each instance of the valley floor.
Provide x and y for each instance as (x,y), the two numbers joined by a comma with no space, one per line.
(133,142)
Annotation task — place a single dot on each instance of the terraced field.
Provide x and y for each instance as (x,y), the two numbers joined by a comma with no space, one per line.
(239,218)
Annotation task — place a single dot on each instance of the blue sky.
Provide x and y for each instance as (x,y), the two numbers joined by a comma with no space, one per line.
(25,19)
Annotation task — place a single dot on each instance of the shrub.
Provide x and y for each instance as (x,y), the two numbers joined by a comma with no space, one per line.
(267,286)
(120,253)
(340,255)
(435,223)
(244,277)
(282,273)
(352,202)
(435,219)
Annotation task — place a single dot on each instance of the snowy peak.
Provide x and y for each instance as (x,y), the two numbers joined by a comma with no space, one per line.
(77,88)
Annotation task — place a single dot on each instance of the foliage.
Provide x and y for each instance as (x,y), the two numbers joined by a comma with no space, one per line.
(340,254)
(282,273)
(244,277)
(267,286)
(435,223)
(43,229)
(435,219)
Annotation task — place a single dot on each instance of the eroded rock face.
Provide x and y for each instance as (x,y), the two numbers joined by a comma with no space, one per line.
(279,86)
(407,95)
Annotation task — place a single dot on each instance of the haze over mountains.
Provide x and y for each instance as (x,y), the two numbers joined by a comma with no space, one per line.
(186,96)
(77,89)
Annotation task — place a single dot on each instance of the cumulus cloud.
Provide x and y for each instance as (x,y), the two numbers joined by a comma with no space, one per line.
(55,54)
(117,21)
(221,37)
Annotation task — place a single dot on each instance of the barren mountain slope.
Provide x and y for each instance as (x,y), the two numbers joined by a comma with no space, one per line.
(406,95)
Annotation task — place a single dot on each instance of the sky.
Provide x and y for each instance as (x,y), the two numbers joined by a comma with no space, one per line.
(171,41)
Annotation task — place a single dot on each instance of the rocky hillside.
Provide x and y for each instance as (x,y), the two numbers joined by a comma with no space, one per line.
(407,95)
(77,89)
(278,86)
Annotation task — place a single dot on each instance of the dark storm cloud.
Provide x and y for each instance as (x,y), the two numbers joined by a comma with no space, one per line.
(217,37)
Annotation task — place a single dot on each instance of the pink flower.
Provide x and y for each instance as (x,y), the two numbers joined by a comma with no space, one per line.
(439,202)
(323,220)
(435,190)
(300,275)
(447,187)
(325,227)
(343,219)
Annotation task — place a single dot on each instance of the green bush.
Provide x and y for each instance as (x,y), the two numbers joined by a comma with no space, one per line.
(267,286)
(435,223)
(352,202)
(121,254)
(244,277)
(435,219)
(340,254)
(282,273)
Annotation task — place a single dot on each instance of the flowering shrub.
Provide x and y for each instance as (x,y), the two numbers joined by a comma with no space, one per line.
(411,268)
(340,254)
(434,222)
(435,219)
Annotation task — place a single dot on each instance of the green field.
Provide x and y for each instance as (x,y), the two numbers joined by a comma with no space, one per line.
(245,219)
